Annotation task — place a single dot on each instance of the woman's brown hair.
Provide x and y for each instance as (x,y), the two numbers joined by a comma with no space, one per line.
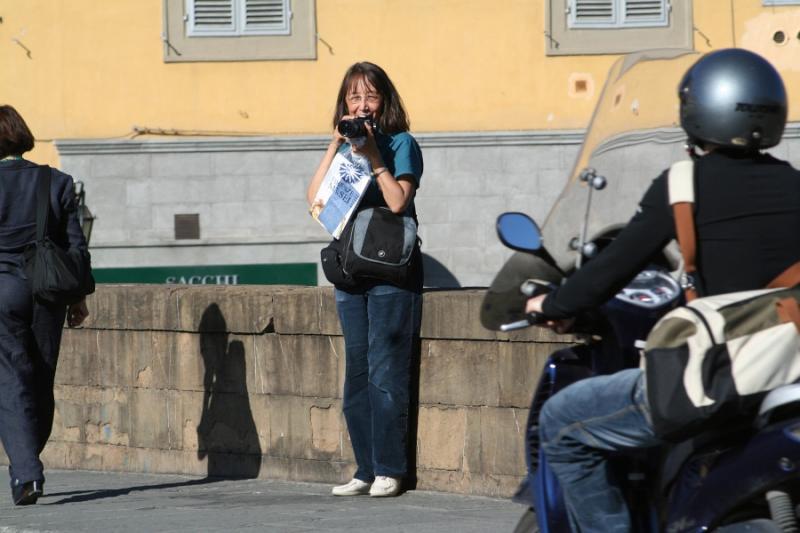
(15,136)
(393,118)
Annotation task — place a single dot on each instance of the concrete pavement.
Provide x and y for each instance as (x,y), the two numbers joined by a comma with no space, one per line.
(125,502)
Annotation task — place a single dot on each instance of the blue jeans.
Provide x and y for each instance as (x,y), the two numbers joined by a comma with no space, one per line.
(381,326)
(577,427)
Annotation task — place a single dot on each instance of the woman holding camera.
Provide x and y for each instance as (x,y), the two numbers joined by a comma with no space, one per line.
(380,321)
(30,331)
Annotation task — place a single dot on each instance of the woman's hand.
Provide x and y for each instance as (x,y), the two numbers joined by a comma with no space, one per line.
(369,149)
(534,305)
(77,313)
(338,139)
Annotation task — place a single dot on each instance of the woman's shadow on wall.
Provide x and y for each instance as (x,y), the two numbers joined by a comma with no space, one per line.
(437,275)
(226,434)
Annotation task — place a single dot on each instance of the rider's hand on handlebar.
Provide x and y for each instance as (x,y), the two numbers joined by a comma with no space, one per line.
(534,305)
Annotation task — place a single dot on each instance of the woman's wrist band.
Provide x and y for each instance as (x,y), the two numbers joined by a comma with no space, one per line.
(378,171)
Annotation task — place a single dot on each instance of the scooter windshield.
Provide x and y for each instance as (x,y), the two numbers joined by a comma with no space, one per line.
(634,134)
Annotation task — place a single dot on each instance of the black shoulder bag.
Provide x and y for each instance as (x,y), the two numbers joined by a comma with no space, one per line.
(375,244)
(57,276)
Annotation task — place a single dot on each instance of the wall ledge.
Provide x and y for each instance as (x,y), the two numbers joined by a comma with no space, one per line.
(78,147)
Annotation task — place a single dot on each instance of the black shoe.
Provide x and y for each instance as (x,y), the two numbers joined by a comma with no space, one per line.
(26,493)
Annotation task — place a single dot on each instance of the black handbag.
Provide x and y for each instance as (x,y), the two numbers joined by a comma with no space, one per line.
(375,244)
(57,276)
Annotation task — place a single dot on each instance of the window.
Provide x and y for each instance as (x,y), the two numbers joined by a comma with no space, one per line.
(618,13)
(187,226)
(237,17)
(239,30)
(581,27)
(782,2)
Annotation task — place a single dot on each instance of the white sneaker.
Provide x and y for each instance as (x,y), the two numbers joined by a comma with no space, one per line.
(354,487)
(385,486)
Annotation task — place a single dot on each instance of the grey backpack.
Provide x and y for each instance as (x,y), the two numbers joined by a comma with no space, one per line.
(376,244)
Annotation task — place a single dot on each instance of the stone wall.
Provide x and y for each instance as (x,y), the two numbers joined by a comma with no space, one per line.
(247,381)
(249,195)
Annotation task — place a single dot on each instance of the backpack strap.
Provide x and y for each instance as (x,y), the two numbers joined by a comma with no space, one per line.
(680,184)
(788,311)
(788,278)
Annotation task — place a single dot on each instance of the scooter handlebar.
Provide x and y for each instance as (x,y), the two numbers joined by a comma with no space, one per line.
(530,288)
(531,319)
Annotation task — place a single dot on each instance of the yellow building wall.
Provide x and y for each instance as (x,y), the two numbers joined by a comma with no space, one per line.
(87,69)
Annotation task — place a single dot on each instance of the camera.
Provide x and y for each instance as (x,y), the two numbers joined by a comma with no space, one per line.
(355,127)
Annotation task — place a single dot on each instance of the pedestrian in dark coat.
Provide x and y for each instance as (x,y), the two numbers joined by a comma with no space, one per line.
(30,331)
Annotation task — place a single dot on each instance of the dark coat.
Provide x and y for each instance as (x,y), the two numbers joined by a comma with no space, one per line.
(18,210)
(30,331)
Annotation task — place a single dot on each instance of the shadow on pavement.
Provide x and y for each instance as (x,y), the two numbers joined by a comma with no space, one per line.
(77,496)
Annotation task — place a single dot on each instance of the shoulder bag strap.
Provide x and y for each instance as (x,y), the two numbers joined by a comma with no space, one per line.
(681,198)
(42,201)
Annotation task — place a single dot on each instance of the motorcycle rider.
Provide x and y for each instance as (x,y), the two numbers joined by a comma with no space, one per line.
(747,215)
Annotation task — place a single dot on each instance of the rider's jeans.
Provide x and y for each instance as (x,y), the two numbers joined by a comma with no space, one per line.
(579,425)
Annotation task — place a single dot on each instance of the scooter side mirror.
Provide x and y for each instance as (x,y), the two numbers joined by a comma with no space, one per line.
(518,231)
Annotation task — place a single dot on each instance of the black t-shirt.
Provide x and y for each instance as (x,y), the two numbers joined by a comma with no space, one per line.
(747,218)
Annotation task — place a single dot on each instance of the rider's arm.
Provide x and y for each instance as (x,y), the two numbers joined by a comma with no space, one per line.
(650,229)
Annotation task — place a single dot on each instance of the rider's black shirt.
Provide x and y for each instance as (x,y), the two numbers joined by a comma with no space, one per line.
(747,215)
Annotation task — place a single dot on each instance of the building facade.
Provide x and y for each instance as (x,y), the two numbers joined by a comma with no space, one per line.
(195,125)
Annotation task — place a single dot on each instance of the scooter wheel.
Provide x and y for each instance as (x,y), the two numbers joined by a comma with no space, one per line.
(527,523)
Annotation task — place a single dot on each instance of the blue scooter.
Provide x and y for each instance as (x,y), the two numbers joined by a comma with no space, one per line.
(742,478)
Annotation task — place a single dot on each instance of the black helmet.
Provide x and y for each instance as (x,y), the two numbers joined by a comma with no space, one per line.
(733,98)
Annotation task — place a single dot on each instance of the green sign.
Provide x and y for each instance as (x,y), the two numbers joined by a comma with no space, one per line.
(275,274)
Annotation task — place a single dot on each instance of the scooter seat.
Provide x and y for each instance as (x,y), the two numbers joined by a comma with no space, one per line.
(775,399)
